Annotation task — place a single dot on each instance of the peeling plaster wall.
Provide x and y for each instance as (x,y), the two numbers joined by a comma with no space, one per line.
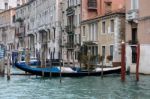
(144,66)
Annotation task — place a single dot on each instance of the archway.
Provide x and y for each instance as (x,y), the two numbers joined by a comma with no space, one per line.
(44,47)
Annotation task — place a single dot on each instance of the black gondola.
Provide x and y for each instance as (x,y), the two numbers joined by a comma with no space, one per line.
(54,72)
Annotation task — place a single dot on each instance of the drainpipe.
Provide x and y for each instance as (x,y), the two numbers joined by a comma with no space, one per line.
(123,68)
(101,8)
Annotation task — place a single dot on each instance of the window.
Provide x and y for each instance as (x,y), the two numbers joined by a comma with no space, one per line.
(79,20)
(76,55)
(28,26)
(103,27)
(134,54)
(54,32)
(96,32)
(93,31)
(71,2)
(134,4)
(90,32)
(54,53)
(18,5)
(92,4)
(74,2)
(103,51)
(49,34)
(75,20)
(75,38)
(108,6)
(134,36)
(83,30)
(78,2)
(13,19)
(6,6)
(71,38)
(112,25)
(111,50)
(23,1)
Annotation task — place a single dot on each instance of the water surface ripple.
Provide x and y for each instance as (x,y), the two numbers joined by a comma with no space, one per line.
(30,87)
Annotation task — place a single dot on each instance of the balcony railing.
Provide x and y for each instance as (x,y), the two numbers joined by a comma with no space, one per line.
(70,45)
(92,4)
(69,28)
(20,35)
(70,11)
(132,14)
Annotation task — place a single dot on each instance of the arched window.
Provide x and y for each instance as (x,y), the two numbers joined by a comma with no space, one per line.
(92,4)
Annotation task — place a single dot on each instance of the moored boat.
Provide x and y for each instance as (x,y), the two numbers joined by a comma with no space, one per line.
(66,72)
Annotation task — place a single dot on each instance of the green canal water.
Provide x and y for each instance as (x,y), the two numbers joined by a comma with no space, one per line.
(32,87)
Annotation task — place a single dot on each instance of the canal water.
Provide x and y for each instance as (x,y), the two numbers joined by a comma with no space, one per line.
(110,87)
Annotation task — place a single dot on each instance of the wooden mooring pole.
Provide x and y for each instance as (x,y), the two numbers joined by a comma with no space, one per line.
(123,70)
(50,62)
(8,66)
(60,70)
(137,62)
(102,74)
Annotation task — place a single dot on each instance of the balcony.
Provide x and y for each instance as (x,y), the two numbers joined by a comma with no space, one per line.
(70,11)
(92,4)
(20,35)
(69,29)
(132,15)
(70,46)
(20,32)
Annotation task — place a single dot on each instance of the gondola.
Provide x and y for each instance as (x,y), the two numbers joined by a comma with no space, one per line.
(55,71)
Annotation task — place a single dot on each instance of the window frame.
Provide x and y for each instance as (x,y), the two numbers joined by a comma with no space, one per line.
(111,53)
(103,27)
(134,4)
(112,30)
(83,30)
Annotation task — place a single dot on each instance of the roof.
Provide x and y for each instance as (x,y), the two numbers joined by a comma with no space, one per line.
(118,11)
(25,4)
(7,10)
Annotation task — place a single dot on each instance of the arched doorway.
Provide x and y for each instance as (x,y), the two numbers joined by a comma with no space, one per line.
(44,47)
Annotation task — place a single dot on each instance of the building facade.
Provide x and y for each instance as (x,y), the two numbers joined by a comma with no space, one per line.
(137,32)
(112,33)
(41,22)
(7,28)
(101,28)
(71,16)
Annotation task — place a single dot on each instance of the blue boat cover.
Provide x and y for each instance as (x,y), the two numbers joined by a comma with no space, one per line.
(26,67)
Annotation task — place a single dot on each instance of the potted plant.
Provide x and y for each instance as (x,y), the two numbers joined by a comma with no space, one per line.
(19,20)
(100,58)
(109,57)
